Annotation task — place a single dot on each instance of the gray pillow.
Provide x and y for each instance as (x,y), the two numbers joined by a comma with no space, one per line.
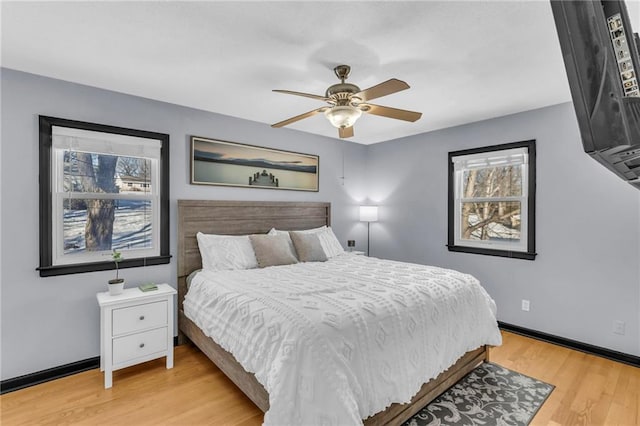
(308,247)
(272,250)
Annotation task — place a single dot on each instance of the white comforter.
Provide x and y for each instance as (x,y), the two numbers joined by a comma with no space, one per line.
(335,342)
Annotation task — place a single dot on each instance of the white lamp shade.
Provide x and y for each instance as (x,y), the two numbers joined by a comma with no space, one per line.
(368,213)
(342,116)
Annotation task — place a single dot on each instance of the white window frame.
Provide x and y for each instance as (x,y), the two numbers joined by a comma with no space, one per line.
(520,154)
(80,140)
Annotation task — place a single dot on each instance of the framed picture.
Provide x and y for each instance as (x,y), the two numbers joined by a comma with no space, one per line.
(215,162)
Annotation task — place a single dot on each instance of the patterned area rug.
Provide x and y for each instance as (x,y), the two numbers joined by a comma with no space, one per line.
(489,395)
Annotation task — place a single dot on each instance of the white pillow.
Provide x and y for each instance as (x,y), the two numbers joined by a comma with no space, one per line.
(328,239)
(226,252)
(330,243)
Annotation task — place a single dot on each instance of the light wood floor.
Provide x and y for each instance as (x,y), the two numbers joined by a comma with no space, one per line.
(589,390)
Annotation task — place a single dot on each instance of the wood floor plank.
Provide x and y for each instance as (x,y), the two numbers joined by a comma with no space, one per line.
(589,391)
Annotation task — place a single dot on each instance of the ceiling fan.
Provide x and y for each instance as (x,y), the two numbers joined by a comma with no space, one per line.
(347,103)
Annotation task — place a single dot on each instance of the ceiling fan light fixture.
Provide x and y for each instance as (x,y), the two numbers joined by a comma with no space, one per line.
(342,116)
(347,103)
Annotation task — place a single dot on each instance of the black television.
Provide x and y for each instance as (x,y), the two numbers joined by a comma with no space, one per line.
(601,55)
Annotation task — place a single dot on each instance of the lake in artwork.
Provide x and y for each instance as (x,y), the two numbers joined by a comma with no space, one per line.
(226,163)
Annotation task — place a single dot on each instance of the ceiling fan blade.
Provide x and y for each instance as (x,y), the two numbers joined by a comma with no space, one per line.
(306,95)
(298,117)
(383,89)
(398,114)
(345,132)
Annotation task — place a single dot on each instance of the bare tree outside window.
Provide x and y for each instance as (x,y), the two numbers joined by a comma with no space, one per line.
(102,188)
(492,200)
(492,219)
(91,222)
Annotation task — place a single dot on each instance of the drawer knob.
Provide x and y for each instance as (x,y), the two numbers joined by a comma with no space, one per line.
(141,345)
(141,317)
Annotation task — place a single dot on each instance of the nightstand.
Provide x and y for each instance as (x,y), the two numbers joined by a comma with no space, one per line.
(135,327)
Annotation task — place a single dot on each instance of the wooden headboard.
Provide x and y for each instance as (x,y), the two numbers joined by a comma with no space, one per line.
(238,218)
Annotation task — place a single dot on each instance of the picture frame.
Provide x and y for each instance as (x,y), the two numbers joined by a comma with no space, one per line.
(223,163)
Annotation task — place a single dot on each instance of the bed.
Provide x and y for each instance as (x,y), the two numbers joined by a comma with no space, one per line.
(251,217)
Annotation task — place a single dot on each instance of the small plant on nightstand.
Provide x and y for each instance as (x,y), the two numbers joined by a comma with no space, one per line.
(116,286)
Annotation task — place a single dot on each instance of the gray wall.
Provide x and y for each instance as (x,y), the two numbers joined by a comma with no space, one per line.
(48,322)
(587,272)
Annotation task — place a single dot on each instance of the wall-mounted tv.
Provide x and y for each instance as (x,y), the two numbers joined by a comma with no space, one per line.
(601,55)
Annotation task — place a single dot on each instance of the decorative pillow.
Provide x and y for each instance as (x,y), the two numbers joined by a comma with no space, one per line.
(275,231)
(226,252)
(308,247)
(330,243)
(272,250)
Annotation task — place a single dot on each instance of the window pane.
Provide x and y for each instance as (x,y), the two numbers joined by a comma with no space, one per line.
(89,172)
(495,221)
(98,225)
(503,181)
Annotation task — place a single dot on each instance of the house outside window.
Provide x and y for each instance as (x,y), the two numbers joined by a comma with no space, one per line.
(492,200)
(107,189)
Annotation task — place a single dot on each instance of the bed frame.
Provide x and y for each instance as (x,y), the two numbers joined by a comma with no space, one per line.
(258,217)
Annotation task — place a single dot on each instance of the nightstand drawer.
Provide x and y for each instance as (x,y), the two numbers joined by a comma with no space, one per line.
(139,317)
(139,345)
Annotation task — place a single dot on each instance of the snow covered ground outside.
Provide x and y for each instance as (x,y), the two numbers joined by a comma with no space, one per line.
(131,227)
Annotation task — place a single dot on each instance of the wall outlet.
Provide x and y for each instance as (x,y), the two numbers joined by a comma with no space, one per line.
(525,305)
(618,327)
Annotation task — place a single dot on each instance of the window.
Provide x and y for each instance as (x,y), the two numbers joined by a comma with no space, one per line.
(102,188)
(492,200)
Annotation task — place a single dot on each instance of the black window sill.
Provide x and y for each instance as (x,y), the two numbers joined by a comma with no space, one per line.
(50,271)
(492,252)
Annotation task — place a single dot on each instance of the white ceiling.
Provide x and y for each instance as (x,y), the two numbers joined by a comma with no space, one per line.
(464,61)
